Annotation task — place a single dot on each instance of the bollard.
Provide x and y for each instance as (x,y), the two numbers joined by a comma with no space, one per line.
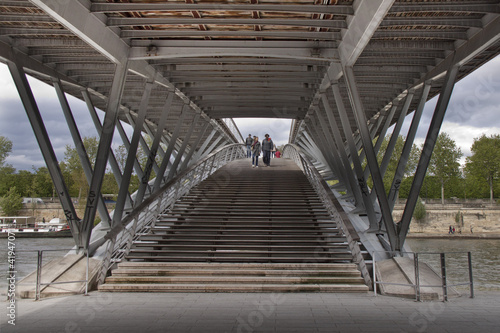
(38,275)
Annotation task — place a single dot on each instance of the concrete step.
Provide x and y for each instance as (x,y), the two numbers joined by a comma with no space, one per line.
(240,266)
(241,258)
(248,233)
(243,288)
(198,279)
(233,272)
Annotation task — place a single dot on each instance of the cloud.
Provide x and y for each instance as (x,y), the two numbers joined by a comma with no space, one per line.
(277,128)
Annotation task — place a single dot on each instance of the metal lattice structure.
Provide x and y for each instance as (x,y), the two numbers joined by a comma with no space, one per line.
(181,70)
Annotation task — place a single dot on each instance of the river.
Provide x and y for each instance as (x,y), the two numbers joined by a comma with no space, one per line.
(485,255)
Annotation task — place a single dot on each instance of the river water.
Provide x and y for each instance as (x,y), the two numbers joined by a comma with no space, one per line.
(485,262)
(485,254)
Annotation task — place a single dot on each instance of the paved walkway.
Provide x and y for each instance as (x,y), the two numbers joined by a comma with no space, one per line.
(214,312)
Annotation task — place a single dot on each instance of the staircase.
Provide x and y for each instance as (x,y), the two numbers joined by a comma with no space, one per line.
(242,230)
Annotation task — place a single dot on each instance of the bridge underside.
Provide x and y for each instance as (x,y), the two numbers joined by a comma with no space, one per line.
(179,71)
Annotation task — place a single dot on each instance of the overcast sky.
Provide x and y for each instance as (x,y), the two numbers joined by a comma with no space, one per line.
(474,109)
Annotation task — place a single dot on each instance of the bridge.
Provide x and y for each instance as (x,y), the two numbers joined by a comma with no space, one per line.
(180,71)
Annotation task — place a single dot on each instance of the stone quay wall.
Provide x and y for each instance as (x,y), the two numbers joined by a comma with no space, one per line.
(483,217)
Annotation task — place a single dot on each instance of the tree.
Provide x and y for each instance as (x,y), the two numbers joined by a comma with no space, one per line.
(12,202)
(484,163)
(5,149)
(420,213)
(444,161)
(73,164)
(394,160)
(42,183)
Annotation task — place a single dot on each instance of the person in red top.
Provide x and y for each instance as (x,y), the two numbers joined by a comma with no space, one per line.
(277,154)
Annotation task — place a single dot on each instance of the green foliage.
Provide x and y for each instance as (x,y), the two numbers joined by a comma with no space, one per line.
(393,162)
(79,185)
(444,164)
(5,149)
(7,179)
(420,212)
(12,202)
(42,183)
(484,163)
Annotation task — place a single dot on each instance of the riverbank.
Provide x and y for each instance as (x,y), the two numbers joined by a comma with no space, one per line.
(423,235)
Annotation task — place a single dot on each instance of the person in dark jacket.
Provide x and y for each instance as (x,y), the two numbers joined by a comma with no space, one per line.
(248,143)
(267,147)
(256,147)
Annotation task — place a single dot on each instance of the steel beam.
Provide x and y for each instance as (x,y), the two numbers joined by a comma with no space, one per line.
(80,149)
(330,148)
(104,148)
(182,149)
(348,173)
(410,138)
(200,151)
(358,169)
(155,147)
(395,134)
(112,159)
(212,147)
(42,137)
(132,153)
(313,148)
(191,152)
(132,122)
(368,16)
(371,158)
(286,8)
(430,141)
(171,145)
(126,143)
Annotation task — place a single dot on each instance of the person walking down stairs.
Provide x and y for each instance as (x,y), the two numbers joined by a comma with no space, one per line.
(256,148)
(267,146)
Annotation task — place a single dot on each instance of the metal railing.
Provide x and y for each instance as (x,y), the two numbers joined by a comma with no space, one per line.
(39,285)
(120,238)
(333,206)
(416,270)
(233,128)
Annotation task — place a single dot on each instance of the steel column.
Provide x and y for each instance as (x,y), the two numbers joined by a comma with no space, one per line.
(203,146)
(313,150)
(80,148)
(112,159)
(333,152)
(430,141)
(193,147)
(132,153)
(106,138)
(212,146)
(42,137)
(170,148)
(349,174)
(180,152)
(126,143)
(155,147)
(395,134)
(320,141)
(143,143)
(371,158)
(358,169)
(381,137)
(412,131)
(324,140)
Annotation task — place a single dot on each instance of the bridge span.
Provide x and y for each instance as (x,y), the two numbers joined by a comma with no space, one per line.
(179,72)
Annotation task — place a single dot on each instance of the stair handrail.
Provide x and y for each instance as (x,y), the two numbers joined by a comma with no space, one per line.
(334,208)
(119,239)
